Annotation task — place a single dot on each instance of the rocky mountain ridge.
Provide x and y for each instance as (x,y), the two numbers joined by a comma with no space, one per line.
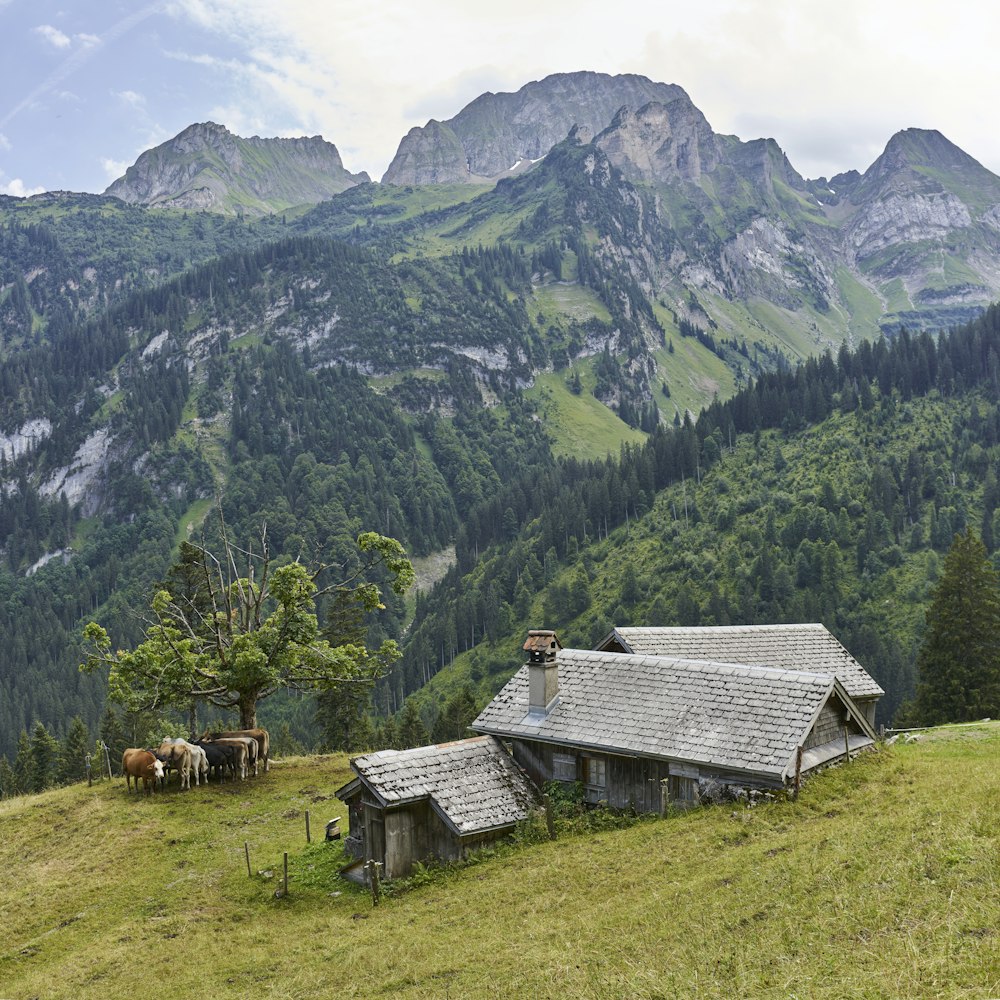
(494,134)
(915,238)
(208,167)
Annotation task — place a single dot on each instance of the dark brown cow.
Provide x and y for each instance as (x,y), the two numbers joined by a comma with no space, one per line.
(260,736)
(240,755)
(141,764)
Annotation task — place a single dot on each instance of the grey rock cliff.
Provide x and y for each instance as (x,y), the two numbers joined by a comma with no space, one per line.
(496,132)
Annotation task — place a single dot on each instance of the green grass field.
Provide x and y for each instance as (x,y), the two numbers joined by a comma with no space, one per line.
(882,881)
(581,426)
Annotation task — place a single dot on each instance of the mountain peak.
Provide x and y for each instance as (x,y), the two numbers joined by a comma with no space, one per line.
(495,133)
(924,160)
(205,166)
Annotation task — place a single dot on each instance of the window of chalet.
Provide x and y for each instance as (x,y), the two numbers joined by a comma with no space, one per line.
(563,767)
(683,789)
(595,772)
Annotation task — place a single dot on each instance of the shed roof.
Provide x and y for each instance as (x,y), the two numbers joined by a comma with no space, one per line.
(473,784)
(724,715)
(807,647)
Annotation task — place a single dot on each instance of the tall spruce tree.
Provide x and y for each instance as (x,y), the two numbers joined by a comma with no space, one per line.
(45,751)
(959,661)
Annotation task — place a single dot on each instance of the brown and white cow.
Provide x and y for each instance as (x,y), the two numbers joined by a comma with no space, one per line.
(143,764)
(177,754)
(198,761)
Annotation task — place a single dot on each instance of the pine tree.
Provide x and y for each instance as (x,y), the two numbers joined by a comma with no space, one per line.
(44,757)
(73,755)
(453,721)
(8,780)
(24,765)
(412,731)
(959,661)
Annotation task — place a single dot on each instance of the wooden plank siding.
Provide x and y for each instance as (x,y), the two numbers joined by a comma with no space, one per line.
(631,782)
(829,726)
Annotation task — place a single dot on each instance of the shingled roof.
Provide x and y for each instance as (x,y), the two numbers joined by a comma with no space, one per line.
(811,648)
(727,716)
(473,784)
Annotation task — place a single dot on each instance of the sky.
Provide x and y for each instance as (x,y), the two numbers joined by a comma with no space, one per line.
(87,85)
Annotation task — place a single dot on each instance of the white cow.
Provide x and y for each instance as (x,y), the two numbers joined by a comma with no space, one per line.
(180,754)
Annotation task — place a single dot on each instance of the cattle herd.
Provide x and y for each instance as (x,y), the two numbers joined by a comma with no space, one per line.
(236,753)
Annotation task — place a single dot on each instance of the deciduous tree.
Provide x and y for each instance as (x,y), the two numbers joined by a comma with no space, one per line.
(237,637)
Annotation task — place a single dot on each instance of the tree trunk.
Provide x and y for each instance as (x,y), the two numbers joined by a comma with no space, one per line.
(248,713)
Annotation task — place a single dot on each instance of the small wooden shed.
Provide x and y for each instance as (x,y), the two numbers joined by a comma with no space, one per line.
(433,803)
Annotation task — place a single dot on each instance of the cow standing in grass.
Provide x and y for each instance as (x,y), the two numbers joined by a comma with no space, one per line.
(143,764)
(260,736)
(177,754)
(237,751)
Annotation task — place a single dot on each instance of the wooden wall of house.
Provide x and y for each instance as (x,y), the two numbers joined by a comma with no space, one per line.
(868,707)
(354,842)
(409,837)
(630,782)
(829,726)
(634,783)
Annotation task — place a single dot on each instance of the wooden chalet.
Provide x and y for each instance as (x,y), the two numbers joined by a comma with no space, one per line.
(643,731)
(806,647)
(433,803)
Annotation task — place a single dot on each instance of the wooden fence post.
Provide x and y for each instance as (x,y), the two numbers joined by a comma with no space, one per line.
(90,776)
(847,746)
(372,867)
(798,771)
(664,796)
(286,873)
(246,851)
(308,838)
(550,823)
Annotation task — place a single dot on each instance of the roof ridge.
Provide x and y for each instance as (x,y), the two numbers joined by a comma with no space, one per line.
(631,659)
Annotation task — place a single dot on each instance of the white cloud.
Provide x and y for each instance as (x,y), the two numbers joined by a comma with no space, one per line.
(53,36)
(16,188)
(4,142)
(131,98)
(114,168)
(86,39)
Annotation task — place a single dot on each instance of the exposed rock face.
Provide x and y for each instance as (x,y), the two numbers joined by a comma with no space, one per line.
(497,132)
(207,167)
(906,218)
(432,153)
(736,219)
(661,142)
(926,212)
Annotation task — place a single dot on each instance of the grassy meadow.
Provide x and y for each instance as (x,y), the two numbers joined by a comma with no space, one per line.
(883,880)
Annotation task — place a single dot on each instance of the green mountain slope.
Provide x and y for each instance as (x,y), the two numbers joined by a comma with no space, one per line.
(828,494)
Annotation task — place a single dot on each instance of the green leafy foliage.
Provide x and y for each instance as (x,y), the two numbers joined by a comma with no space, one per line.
(234,640)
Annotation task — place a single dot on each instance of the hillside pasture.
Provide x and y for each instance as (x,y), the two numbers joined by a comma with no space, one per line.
(883,880)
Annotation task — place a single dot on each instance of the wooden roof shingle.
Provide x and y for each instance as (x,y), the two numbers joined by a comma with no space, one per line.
(805,647)
(473,784)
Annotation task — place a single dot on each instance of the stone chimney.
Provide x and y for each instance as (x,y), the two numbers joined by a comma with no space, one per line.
(543,675)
